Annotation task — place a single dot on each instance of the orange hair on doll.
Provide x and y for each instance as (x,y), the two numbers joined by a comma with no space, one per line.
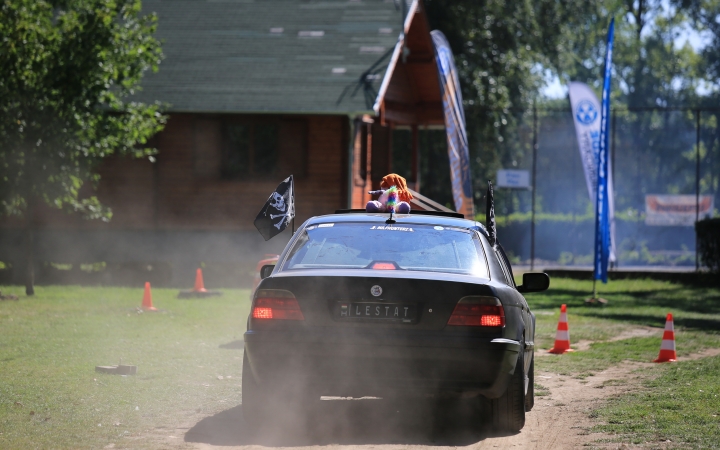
(399,182)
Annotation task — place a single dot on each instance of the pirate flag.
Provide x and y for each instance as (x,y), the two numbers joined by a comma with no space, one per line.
(490,216)
(278,211)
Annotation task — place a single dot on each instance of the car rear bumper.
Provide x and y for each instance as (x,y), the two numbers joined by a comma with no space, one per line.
(356,365)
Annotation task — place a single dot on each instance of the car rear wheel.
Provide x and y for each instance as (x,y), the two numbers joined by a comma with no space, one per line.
(508,411)
(530,394)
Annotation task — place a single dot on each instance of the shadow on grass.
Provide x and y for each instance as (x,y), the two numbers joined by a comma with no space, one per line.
(234,345)
(703,324)
(349,422)
(681,298)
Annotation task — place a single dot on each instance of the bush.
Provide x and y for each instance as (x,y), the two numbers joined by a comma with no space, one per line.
(561,239)
(708,242)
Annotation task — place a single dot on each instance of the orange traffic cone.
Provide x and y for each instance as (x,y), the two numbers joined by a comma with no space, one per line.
(667,347)
(562,337)
(147,299)
(199,284)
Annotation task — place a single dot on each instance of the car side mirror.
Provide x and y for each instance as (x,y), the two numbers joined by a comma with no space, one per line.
(534,282)
(266,271)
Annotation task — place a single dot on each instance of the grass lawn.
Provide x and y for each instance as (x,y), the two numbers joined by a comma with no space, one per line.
(50,395)
(189,360)
(679,403)
(680,408)
(631,303)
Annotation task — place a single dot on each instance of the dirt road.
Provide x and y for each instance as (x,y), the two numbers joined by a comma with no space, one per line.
(560,420)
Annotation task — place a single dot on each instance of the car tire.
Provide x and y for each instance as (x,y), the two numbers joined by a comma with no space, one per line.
(530,394)
(508,411)
(255,401)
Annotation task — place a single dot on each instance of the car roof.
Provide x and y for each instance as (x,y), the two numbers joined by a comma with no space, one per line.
(420,219)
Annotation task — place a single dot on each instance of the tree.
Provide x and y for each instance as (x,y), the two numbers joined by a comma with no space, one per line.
(67,68)
(500,50)
(504,51)
(706,18)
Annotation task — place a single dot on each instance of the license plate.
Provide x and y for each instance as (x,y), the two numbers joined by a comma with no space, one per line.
(392,312)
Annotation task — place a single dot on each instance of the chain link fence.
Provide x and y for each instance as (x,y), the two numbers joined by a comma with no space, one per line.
(658,155)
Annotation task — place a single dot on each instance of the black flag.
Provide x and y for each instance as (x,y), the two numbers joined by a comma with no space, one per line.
(278,211)
(490,216)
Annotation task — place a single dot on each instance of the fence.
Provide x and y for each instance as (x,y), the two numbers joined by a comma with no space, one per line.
(654,151)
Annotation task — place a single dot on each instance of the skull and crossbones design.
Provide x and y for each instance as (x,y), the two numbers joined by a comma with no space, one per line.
(277,201)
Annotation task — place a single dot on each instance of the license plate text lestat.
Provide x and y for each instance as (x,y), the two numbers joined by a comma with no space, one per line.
(395,312)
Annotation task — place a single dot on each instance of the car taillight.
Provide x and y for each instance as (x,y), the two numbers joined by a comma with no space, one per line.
(276,304)
(478,312)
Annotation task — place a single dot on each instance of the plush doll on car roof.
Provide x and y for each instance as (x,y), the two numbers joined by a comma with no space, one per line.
(394,196)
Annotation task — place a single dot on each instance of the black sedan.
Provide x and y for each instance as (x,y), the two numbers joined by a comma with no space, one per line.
(419,306)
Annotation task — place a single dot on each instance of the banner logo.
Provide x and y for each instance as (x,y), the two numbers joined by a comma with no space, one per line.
(586,112)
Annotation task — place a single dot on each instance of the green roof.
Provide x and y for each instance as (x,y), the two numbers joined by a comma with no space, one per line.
(270,56)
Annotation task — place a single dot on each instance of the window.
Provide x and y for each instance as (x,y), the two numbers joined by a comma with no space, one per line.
(250,149)
(360,153)
(408,247)
(505,265)
(258,148)
(381,153)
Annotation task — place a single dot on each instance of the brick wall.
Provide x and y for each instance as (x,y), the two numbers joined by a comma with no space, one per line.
(183,189)
(156,205)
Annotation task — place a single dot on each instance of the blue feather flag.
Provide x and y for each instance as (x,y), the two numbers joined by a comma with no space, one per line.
(602,197)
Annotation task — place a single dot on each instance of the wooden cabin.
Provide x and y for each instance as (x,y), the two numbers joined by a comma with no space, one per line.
(255,91)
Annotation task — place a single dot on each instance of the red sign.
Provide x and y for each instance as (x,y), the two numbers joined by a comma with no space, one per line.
(676,210)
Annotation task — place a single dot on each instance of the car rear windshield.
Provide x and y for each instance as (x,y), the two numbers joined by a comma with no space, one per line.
(399,247)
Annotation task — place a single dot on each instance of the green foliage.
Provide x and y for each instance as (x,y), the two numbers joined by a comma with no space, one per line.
(708,242)
(506,50)
(650,70)
(66,68)
(704,14)
(499,49)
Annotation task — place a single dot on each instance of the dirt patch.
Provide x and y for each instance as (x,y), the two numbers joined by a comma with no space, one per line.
(561,419)
(707,353)
(628,334)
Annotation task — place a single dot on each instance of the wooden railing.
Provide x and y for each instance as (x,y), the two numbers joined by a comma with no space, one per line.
(426,204)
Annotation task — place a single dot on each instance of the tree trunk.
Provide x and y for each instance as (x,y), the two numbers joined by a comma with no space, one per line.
(29,259)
